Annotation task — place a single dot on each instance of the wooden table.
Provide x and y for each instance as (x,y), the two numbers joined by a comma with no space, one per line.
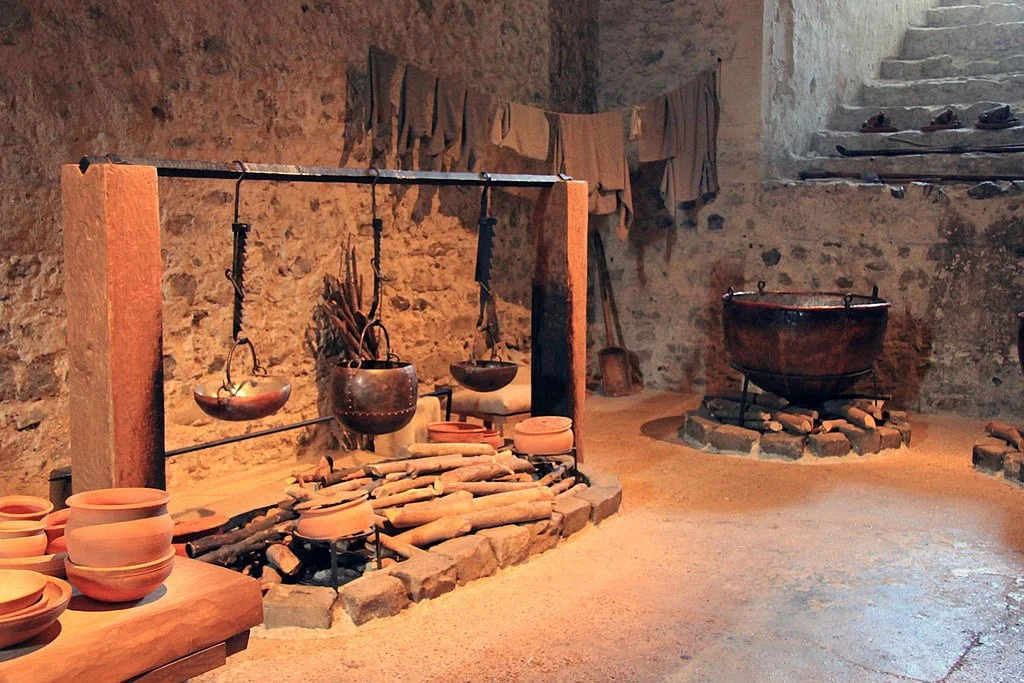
(201,615)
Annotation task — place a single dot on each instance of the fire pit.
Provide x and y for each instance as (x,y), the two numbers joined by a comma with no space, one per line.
(804,346)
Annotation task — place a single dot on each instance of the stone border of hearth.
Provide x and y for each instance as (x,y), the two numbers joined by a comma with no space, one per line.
(386,592)
(1000,452)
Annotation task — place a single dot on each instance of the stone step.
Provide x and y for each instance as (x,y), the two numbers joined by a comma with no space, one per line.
(938,91)
(824,142)
(1000,165)
(850,118)
(965,15)
(982,41)
(946,66)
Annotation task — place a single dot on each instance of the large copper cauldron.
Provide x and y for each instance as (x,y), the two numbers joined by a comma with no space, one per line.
(804,346)
(374,396)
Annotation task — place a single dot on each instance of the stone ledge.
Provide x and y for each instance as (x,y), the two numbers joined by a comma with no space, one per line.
(473,556)
(372,596)
(510,543)
(300,606)
(426,576)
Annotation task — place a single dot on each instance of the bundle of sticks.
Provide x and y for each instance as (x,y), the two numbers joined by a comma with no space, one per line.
(339,320)
(769,413)
(435,493)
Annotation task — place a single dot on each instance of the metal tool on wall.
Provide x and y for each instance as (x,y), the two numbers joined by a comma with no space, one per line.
(616,371)
(374,396)
(493,374)
(258,394)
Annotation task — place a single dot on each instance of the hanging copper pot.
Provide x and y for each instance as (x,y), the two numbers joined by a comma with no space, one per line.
(255,397)
(374,396)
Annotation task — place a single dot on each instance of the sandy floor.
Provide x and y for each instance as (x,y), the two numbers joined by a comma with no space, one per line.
(900,566)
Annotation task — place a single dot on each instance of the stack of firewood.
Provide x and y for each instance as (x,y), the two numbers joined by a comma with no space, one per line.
(437,492)
(766,412)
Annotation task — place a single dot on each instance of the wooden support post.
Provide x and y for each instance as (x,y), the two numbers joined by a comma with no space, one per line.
(560,304)
(112,284)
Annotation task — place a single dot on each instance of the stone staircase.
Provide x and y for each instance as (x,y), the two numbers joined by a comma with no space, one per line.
(970,56)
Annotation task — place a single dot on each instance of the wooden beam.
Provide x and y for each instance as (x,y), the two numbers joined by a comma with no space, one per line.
(560,304)
(112,284)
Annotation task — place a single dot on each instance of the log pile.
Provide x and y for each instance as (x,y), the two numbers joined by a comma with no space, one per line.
(1001,452)
(771,427)
(434,493)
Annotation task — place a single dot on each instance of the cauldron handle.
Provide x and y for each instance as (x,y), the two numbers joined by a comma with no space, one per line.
(358,361)
(257,369)
(848,300)
(761,284)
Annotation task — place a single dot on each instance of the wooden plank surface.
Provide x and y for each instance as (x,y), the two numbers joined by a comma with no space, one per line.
(200,606)
(187,667)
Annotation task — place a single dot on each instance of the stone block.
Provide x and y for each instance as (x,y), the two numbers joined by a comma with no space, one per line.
(302,606)
(890,438)
(698,428)
(575,513)
(546,534)
(1012,467)
(781,445)
(733,438)
(989,454)
(904,432)
(473,556)
(896,417)
(510,543)
(604,501)
(829,445)
(426,576)
(372,596)
(864,441)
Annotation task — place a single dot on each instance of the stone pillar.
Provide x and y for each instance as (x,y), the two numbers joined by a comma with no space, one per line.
(112,284)
(559,366)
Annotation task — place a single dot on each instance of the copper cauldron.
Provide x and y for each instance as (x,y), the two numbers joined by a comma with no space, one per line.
(804,346)
(374,396)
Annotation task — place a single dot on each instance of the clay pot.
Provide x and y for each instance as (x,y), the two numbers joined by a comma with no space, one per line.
(544,435)
(57,545)
(107,506)
(494,438)
(120,544)
(56,523)
(24,508)
(26,623)
(120,584)
(19,589)
(331,519)
(455,432)
(21,538)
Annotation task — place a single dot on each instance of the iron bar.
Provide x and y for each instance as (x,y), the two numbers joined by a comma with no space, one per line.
(230,170)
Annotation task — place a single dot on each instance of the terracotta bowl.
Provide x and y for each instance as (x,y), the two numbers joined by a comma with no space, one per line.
(544,435)
(20,626)
(24,507)
(120,544)
(455,432)
(120,584)
(51,564)
(494,438)
(56,523)
(57,545)
(332,519)
(108,506)
(21,538)
(19,589)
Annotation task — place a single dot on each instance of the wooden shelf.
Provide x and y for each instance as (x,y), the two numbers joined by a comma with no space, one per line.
(201,611)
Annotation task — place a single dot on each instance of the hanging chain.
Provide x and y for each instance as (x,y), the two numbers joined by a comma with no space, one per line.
(236,274)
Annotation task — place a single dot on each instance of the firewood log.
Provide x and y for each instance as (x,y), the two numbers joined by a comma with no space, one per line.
(269,578)
(410,496)
(552,476)
(728,410)
(763,425)
(508,514)
(564,485)
(827,426)
(578,488)
(400,547)
(448,497)
(420,450)
(422,466)
(229,554)
(852,413)
(806,412)
(351,485)
(486,488)
(281,557)
(794,424)
(473,473)
(346,474)
(1007,433)
(441,529)
(391,488)
(300,493)
(205,545)
(404,517)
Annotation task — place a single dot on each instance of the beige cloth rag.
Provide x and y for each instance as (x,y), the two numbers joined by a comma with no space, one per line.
(681,128)
(446,134)
(591,147)
(524,130)
(477,119)
(416,108)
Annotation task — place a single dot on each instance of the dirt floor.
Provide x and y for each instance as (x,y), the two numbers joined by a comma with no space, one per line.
(898,566)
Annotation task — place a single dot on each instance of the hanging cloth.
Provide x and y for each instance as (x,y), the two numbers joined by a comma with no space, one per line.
(446,133)
(681,128)
(415,110)
(477,120)
(383,66)
(591,147)
(522,129)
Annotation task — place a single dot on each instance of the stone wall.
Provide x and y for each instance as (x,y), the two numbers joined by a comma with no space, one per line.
(817,54)
(282,81)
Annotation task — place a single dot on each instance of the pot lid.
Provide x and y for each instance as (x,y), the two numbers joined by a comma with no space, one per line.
(544,425)
(342,498)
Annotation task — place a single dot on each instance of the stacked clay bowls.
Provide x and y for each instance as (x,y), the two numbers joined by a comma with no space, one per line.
(19,589)
(118,542)
(25,508)
(51,601)
(21,538)
(56,523)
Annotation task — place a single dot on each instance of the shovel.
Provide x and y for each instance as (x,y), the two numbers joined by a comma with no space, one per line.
(616,376)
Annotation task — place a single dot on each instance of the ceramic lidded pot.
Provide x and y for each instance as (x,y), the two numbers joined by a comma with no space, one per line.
(455,432)
(544,435)
(118,527)
(24,507)
(328,519)
(21,538)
